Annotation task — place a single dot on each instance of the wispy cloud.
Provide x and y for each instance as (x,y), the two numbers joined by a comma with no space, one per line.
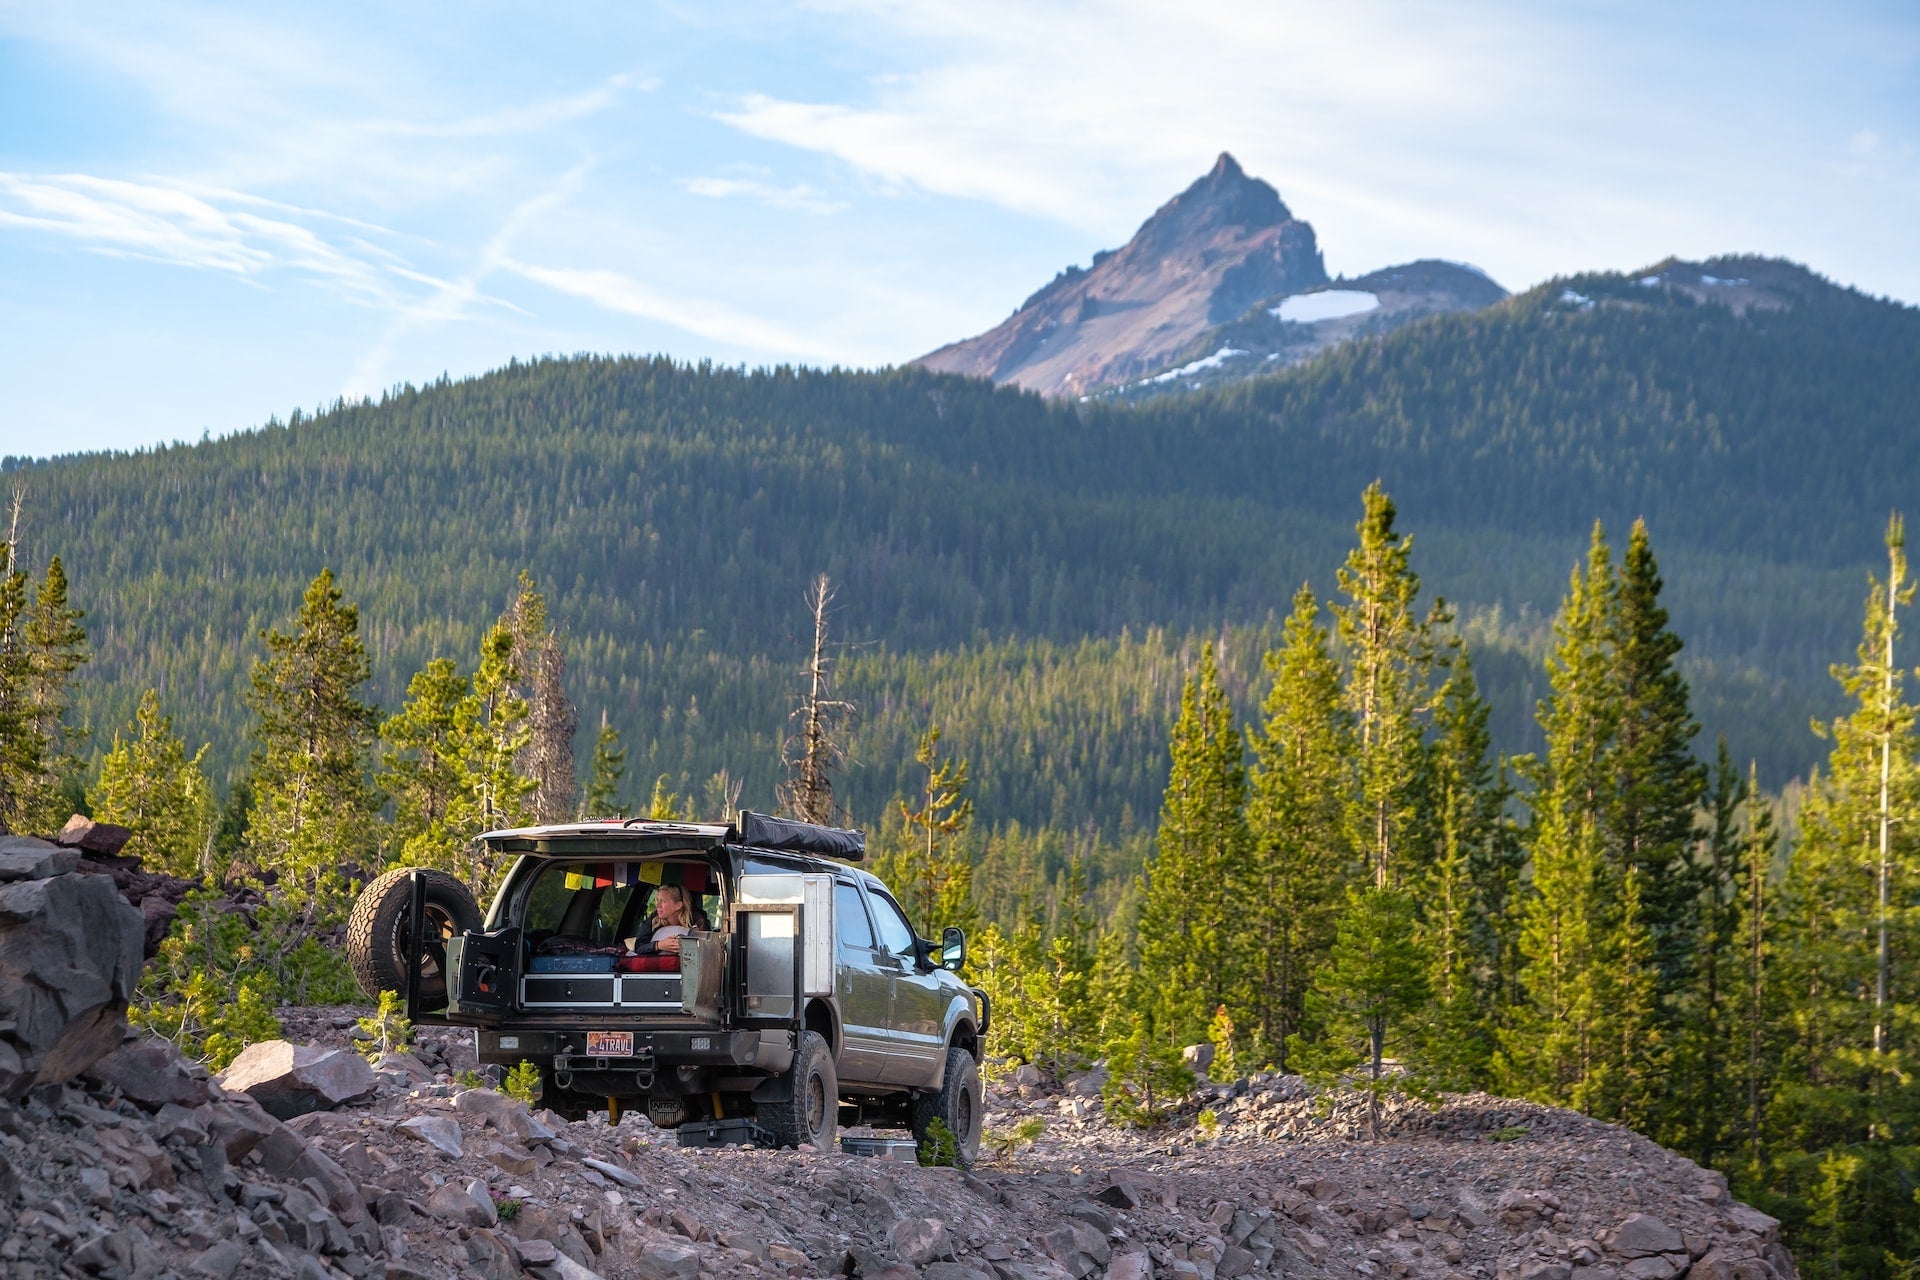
(799,198)
(715,321)
(451,300)
(163,223)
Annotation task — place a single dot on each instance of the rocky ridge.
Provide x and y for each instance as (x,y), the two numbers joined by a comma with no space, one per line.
(125,1161)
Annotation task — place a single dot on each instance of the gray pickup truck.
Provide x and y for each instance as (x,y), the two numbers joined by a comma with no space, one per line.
(798,997)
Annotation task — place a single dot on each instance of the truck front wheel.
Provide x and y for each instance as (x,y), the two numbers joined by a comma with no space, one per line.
(808,1108)
(957,1105)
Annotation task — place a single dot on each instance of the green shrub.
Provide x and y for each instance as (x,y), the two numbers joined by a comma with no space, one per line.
(941,1149)
(1006,1143)
(523,1083)
(387,1031)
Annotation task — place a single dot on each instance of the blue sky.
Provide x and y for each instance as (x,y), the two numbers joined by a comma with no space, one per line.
(212,214)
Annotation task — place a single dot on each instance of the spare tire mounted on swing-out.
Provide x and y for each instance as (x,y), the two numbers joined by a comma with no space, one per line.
(378,943)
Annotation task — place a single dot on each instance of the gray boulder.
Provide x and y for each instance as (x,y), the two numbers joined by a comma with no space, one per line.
(453,1203)
(69,960)
(920,1240)
(289,1080)
(24,858)
(95,837)
(667,1260)
(1640,1235)
(151,1073)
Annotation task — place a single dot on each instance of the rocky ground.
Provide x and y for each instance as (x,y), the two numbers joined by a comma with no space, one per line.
(139,1165)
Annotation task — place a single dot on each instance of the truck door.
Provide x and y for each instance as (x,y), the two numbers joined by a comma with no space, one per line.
(864,984)
(916,1051)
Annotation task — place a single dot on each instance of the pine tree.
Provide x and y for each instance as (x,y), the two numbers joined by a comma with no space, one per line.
(1296,815)
(601,799)
(56,648)
(1187,952)
(423,769)
(1658,783)
(1630,1070)
(1752,1010)
(1391,659)
(1060,987)
(1374,981)
(1704,1109)
(21,753)
(42,645)
(1843,1120)
(314,810)
(1004,965)
(1552,1047)
(1469,832)
(150,784)
(931,869)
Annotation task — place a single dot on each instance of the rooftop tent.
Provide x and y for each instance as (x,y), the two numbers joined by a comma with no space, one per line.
(784,835)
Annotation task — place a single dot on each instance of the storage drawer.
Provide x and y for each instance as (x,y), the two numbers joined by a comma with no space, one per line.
(567,989)
(650,989)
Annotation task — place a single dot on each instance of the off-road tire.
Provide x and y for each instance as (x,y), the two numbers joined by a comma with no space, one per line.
(958,1103)
(809,1110)
(377,932)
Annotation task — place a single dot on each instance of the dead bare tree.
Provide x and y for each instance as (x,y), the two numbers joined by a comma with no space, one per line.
(540,656)
(816,747)
(553,721)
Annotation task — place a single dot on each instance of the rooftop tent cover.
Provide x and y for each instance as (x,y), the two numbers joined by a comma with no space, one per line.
(784,835)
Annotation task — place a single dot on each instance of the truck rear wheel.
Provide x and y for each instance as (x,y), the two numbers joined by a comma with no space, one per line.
(956,1104)
(377,941)
(809,1108)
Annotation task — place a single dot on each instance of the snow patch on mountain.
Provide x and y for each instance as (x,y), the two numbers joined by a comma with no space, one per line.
(1327,304)
(1213,361)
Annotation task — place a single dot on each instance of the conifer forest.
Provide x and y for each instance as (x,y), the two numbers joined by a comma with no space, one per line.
(1270,718)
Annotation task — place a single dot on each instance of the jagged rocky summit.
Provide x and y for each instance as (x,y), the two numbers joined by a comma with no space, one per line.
(1222,280)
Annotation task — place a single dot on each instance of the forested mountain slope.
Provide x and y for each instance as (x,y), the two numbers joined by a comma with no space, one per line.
(994,548)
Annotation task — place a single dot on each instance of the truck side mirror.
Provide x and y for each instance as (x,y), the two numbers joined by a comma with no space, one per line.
(953,949)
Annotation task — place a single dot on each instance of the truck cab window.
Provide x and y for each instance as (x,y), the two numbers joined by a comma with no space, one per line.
(895,934)
(850,918)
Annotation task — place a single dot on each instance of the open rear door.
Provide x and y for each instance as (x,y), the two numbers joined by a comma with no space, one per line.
(483,972)
(767,953)
(703,975)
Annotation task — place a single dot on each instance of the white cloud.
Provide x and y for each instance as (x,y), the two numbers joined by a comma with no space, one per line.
(1071,111)
(799,198)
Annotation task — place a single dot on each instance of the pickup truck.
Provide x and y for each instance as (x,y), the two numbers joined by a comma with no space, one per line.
(799,998)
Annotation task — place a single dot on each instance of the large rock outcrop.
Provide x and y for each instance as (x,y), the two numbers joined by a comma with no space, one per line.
(70,957)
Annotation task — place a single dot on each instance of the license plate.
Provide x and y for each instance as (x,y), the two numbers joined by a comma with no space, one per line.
(609,1044)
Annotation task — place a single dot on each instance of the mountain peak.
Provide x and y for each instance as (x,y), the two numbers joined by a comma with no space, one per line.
(1223,196)
(1204,257)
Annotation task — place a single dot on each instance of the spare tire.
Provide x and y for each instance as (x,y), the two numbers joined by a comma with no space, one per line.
(378,944)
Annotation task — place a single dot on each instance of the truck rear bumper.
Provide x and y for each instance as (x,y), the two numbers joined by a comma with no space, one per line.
(661,1051)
